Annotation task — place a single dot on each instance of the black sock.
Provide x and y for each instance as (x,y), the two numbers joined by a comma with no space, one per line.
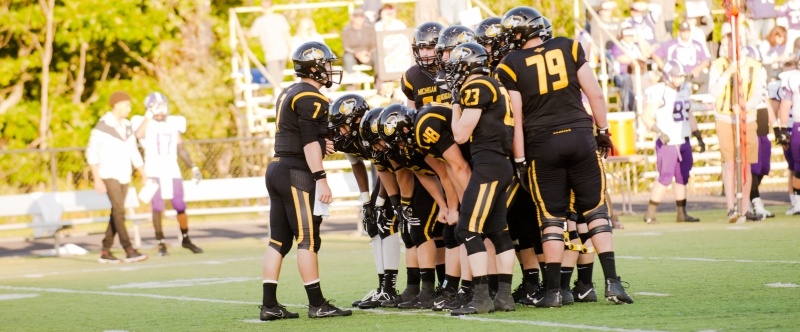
(796,191)
(466,284)
(608,264)
(427,275)
(552,275)
(184,232)
(754,193)
(506,278)
(440,274)
(314,292)
(566,276)
(585,273)
(492,282)
(380,280)
(269,298)
(157,225)
(389,280)
(531,276)
(412,276)
(451,283)
(480,280)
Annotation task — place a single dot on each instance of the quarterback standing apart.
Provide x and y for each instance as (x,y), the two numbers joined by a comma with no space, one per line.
(296,180)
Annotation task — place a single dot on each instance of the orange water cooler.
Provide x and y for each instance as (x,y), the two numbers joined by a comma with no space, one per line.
(623,132)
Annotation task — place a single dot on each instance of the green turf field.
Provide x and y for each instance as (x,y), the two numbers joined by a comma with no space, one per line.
(709,276)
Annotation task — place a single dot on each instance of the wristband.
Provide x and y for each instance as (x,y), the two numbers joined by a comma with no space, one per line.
(319,175)
(519,160)
(364,198)
(380,201)
(603,129)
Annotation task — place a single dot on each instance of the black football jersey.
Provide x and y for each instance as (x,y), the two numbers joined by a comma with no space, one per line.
(546,77)
(495,129)
(354,149)
(421,86)
(413,160)
(433,133)
(301,118)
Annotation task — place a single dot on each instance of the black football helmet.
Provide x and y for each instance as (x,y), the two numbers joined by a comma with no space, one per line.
(370,136)
(548,29)
(315,55)
(451,37)
(397,124)
(526,21)
(466,59)
(489,34)
(426,36)
(347,110)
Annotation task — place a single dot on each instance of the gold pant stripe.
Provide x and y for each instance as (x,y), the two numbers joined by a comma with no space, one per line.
(602,185)
(278,243)
(298,211)
(538,196)
(430,221)
(512,193)
(309,220)
(487,206)
(473,219)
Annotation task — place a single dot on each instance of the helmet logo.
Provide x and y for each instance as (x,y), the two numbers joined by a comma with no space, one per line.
(390,125)
(512,21)
(465,37)
(347,106)
(461,53)
(493,30)
(313,54)
(374,126)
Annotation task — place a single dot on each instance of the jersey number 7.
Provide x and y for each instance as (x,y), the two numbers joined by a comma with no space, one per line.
(550,64)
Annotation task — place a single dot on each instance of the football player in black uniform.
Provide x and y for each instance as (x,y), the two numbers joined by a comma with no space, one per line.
(417,82)
(344,121)
(295,177)
(526,234)
(488,123)
(560,145)
(428,205)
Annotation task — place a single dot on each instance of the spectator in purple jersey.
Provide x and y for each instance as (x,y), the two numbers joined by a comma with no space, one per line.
(634,49)
(761,14)
(643,21)
(689,53)
(789,16)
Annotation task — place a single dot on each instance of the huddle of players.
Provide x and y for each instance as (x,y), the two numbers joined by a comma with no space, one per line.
(452,161)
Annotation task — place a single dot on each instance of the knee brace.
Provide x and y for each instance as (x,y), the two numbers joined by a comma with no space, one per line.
(282,246)
(601,212)
(553,223)
(472,241)
(501,240)
(572,216)
(552,237)
(449,237)
(599,229)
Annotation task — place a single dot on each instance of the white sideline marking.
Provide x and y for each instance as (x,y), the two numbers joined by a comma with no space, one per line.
(375,311)
(782,285)
(115,331)
(651,294)
(16,296)
(140,266)
(739,228)
(181,283)
(710,260)
(640,234)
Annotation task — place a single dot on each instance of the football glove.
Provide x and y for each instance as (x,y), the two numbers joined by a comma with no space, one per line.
(781,136)
(367,215)
(604,144)
(700,142)
(521,171)
(408,216)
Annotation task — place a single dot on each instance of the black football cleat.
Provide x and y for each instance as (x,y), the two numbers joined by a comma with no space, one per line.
(616,293)
(327,310)
(583,292)
(277,312)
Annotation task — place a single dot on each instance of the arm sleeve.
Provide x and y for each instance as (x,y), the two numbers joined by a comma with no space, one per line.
(578,55)
(312,118)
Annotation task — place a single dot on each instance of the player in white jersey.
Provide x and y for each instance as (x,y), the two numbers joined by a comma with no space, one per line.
(776,91)
(668,114)
(161,137)
(790,106)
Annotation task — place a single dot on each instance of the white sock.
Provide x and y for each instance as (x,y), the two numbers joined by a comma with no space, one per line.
(377,253)
(391,252)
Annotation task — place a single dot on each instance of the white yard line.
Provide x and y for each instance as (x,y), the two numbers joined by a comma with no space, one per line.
(373,311)
(710,260)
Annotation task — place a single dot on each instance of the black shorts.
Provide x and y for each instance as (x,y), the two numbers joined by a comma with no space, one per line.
(522,222)
(483,207)
(292,189)
(566,161)
(425,209)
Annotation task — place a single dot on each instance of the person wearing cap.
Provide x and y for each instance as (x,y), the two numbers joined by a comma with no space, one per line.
(111,152)
(643,21)
(686,51)
(633,49)
(358,40)
(753,80)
